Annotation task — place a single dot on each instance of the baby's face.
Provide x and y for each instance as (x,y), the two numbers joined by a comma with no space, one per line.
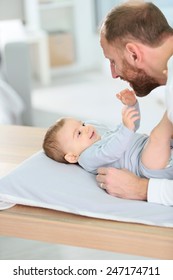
(75,136)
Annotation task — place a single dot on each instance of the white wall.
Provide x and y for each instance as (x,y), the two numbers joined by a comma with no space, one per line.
(11,9)
(167,8)
(88,52)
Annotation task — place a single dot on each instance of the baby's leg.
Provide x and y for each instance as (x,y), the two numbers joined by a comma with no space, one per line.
(156,152)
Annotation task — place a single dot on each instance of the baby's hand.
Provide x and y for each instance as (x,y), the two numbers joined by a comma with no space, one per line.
(129,116)
(127,97)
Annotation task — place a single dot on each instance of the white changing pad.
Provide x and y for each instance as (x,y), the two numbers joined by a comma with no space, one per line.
(42,182)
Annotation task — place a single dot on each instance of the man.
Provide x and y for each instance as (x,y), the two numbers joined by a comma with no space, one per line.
(138,42)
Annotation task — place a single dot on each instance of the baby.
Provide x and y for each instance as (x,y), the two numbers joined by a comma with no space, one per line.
(91,146)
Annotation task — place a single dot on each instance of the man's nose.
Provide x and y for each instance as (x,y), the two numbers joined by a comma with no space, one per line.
(113,71)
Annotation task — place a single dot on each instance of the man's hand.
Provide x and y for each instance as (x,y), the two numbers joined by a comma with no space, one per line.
(122,183)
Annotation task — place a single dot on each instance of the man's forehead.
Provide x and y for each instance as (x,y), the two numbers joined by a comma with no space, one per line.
(108,49)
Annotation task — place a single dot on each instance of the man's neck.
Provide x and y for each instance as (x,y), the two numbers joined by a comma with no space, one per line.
(157,58)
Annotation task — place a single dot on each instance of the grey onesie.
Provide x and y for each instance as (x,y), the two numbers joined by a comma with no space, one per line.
(120,148)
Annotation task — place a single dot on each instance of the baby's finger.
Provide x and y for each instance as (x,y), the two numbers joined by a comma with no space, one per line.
(135,118)
(118,95)
(130,113)
(133,114)
(127,110)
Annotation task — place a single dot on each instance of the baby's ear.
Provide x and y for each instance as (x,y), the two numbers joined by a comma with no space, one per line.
(71,158)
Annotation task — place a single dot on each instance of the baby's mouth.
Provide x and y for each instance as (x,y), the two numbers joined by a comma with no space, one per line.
(92,134)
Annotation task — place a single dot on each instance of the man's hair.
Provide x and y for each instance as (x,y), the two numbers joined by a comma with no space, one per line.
(136,20)
(51,145)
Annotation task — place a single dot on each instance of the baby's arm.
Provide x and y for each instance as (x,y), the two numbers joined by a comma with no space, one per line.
(127,97)
(106,151)
(129,116)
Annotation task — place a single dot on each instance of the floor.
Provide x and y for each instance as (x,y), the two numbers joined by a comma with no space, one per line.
(20,249)
(86,96)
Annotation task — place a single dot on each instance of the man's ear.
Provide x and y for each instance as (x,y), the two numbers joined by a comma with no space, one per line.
(71,158)
(133,53)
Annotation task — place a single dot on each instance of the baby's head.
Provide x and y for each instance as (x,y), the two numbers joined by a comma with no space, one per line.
(67,139)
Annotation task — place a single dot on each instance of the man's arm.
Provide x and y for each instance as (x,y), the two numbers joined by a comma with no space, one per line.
(124,184)
(160,191)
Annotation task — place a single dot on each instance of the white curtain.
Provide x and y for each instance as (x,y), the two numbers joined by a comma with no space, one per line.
(11,105)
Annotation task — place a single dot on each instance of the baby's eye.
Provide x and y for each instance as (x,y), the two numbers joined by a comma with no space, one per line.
(83,124)
(79,133)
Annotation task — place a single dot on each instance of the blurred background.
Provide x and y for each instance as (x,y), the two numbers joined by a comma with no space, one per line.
(51,65)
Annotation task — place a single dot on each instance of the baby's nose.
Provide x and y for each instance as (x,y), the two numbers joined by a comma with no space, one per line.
(86,129)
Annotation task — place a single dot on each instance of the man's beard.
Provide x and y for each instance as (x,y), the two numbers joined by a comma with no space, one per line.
(141,83)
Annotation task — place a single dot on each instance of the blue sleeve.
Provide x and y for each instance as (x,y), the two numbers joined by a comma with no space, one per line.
(137,123)
(107,150)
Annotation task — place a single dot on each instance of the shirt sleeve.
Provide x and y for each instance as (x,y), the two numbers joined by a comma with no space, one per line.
(137,122)
(106,151)
(160,191)
(169,90)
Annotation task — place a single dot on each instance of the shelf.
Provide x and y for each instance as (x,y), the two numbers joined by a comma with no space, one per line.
(56,4)
(70,16)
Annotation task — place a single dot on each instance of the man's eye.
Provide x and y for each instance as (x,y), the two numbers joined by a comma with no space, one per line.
(79,133)
(83,124)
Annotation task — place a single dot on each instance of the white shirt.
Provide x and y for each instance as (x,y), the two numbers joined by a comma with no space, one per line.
(161,190)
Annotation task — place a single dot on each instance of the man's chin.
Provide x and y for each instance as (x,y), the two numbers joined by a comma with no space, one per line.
(142,91)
